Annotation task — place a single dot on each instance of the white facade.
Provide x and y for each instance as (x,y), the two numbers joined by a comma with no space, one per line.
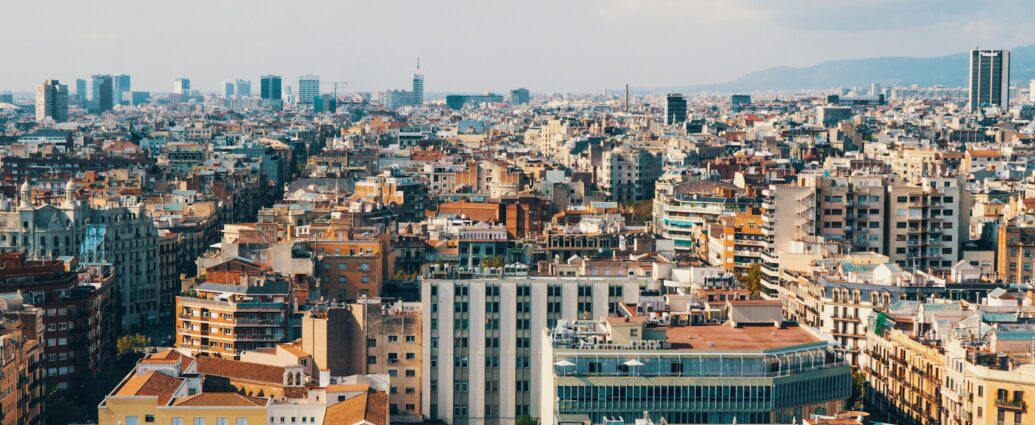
(483,337)
(308,88)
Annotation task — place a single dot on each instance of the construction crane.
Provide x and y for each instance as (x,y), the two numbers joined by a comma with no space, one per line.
(335,83)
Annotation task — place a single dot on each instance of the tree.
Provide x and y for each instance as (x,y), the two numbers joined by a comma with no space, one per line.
(855,401)
(132,343)
(641,211)
(526,420)
(493,262)
(752,280)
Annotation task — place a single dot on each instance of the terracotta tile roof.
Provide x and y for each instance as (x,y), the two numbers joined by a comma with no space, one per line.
(235,369)
(151,384)
(341,388)
(220,399)
(295,349)
(347,412)
(377,408)
(371,407)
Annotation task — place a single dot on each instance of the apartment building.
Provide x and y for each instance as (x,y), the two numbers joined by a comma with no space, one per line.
(482,344)
(1015,250)
(22,379)
(628,174)
(171,388)
(224,319)
(371,337)
(904,376)
(926,228)
(119,233)
(683,208)
(80,323)
(736,241)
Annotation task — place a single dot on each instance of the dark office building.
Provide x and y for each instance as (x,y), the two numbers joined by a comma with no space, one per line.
(989,78)
(270,87)
(519,96)
(675,108)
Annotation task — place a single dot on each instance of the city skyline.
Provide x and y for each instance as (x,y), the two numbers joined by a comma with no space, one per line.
(606,51)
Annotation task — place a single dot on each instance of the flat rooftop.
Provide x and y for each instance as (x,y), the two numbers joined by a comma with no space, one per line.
(747,337)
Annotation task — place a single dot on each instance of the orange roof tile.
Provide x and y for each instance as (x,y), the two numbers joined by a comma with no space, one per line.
(235,369)
(220,399)
(347,412)
(155,384)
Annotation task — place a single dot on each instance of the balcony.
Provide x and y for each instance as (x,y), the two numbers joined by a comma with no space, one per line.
(1010,404)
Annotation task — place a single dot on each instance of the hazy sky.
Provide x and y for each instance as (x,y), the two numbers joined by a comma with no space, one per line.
(480,45)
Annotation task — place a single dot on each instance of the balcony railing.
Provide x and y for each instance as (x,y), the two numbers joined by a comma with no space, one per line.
(1010,404)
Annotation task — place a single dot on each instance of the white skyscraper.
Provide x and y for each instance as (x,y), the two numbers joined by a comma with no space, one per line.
(1031,90)
(308,88)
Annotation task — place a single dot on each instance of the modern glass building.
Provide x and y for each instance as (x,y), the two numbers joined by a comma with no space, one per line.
(989,78)
(752,374)
(271,87)
(675,108)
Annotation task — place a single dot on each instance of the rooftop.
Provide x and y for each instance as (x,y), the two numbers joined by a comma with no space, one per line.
(726,337)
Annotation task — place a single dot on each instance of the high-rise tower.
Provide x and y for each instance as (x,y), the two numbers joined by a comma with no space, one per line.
(52,101)
(989,80)
(418,86)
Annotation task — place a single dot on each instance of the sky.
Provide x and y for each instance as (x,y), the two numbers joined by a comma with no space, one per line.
(480,45)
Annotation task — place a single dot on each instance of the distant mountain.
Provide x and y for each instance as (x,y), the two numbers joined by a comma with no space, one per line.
(948,71)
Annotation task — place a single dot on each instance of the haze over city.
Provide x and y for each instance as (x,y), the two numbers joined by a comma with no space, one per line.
(554,46)
(567,212)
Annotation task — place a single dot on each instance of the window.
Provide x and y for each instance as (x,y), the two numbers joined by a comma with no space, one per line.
(411,373)
(199,421)
(371,360)
(176,421)
(393,338)
(220,421)
(242,421)
(132,420)
(149,418)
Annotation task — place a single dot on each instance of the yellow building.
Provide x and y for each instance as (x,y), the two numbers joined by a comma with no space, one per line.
(169,388)
(991,385)
(903,378)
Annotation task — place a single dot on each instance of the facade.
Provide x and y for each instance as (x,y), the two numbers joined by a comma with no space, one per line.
(904,377)
(1015,251)
(458,101)
(989,79)
(271,87)
(224,319)
(629,174)
(483,339)
(243,88)
(308,88)
(675,108)
(123,88)
(102,90)
(279,387)
(926,224)
(519,96)
(79,317)
(114,231)
(181,86)
(21,358)
(371,336)
(682,209)
(633,367)
(52,101)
